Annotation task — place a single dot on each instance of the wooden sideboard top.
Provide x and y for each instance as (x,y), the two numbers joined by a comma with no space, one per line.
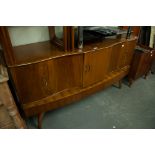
(42,51)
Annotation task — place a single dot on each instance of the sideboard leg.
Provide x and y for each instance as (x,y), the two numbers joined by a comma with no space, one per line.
(145,75)
(120,84)
(40,118)
(130,82)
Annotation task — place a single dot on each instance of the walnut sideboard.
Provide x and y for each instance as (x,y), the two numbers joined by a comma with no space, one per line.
(45,77)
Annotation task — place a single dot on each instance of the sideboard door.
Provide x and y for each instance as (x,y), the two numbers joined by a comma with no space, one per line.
(117,56)
(67,72)
(33,81)
(127,53)
(95,66)
(130,51)
(36,81)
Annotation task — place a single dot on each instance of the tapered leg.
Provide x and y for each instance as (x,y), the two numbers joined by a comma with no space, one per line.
(120,84)
(130,82)
(40,117)
(145,75)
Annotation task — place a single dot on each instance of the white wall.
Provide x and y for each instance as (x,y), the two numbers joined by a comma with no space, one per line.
(25,35)
(21,35)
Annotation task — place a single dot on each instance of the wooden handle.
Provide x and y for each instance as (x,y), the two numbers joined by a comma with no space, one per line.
(87,68)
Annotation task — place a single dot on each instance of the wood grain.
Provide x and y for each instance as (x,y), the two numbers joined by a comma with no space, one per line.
(36,81)
(141,64)
(96,65)
(46,77)
(70,96)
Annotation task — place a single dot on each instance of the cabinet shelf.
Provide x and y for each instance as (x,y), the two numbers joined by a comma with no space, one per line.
(36,52)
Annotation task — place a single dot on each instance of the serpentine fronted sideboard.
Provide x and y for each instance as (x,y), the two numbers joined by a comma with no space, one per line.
(45,77)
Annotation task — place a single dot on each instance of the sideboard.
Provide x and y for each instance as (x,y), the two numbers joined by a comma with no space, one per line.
(45,77)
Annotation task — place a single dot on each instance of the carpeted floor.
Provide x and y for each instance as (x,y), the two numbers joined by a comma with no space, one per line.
(126,108)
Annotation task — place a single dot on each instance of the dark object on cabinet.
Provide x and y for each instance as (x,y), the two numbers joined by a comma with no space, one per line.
(141,63)
(129,32)
(89,34)
(134,29)
(45,77)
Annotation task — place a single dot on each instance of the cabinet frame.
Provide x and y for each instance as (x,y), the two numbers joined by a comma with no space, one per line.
(67,42)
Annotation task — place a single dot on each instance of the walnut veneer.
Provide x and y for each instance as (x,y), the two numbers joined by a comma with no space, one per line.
(50,81)
(141,63)
(46,78)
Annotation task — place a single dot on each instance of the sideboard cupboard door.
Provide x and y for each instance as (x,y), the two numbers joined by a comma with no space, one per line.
(36,81)
(117,56)
(33,81)
(95,66)
(67,72)
(130,51)
(121,54)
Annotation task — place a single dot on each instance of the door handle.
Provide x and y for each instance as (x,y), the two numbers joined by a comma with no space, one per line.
(87,68)
(44,81)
